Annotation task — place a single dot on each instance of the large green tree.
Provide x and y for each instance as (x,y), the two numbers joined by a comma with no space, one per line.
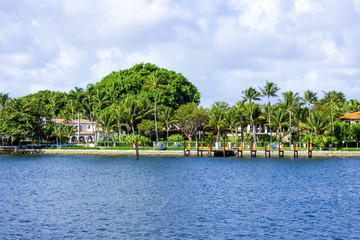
(190,119)
(127,82)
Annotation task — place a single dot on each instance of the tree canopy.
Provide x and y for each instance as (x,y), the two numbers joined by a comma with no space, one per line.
(177,91)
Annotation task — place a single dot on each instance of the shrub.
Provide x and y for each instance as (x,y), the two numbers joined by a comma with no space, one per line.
(130,140)
(160,146)
(176,138)
(177,144)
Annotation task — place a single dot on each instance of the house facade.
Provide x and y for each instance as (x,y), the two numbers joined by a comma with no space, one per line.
(87,130)
(351,117)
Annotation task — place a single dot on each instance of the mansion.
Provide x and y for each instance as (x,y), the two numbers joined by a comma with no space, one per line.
(87,130)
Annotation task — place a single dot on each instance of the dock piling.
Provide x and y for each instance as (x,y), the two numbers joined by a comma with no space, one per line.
(281,152)
(309,150)
(296,152)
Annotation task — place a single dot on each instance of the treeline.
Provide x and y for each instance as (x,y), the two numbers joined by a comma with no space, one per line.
(122,101)
(146,102)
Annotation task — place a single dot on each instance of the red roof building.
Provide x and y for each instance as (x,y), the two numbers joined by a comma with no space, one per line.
(351,117)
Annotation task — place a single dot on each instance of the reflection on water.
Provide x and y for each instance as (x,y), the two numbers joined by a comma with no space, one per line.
(91,197)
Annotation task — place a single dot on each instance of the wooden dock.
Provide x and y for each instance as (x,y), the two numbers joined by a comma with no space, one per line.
(238,151)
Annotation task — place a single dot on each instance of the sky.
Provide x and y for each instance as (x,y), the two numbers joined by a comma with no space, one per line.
(221,46)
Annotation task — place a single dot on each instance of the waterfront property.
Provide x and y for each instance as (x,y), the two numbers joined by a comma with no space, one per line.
(351,117)
(87,130)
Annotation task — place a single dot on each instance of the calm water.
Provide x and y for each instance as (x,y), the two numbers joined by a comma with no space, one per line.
(92,197)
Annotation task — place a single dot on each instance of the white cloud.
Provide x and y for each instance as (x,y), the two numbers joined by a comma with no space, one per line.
(221,46)
(303,6)
(258,14)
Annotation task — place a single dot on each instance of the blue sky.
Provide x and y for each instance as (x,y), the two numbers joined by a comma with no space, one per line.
(222,46)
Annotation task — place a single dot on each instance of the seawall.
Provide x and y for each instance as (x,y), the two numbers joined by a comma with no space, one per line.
(180,153)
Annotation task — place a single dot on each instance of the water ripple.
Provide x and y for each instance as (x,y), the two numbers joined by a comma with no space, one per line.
(87,197)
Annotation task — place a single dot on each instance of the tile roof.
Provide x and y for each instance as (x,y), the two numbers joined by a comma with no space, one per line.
(350,116)
(82,121)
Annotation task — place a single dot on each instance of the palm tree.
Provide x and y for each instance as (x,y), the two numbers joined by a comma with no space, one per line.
(155,81)
(309,97)
(300,120)
(131,112)
(59,132)
(231,120)
(352,105)
(317,123)
(89,98)
(4,101)
(167,115)
(107,124)
(71,108)
(290,103)
(118,112)
(216,121)
(77,96)
(331,99)
(220,104)
(269,90)
(250,95)
(241,118)
(101,98)
(53,101)
(279,121)
(69,130)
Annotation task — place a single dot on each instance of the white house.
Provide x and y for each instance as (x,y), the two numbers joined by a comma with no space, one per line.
(87,130)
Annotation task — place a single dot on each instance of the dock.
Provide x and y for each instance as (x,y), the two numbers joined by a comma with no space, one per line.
(227,150)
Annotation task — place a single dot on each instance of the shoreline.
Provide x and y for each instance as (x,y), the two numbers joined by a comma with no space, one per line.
(274,154)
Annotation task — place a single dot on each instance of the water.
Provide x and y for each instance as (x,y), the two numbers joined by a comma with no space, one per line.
(94,197)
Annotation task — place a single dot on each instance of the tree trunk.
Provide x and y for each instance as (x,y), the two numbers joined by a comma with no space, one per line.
(290,130)
(132,128)
(120,135)
(242,135)
(156,131)
(332,120)
(107,139)
(236,132)
(167,134)
(127,129)
(78,126)
(253,124)
(91,118)
(269,107)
